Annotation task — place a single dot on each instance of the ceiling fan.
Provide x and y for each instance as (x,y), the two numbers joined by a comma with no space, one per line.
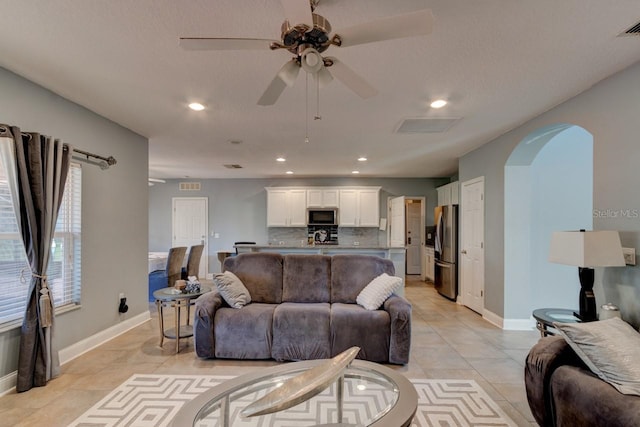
(309,37)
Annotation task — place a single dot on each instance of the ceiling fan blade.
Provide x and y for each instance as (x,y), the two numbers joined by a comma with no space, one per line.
(352,80)
(418,23)
(285,77)
(204,43)
(324,77)
(298,12)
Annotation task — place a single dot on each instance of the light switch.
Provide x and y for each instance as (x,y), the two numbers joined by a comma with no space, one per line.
(629,256)
(216,235)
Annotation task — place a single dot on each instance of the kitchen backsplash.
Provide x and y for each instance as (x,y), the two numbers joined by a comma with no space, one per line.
(294,236)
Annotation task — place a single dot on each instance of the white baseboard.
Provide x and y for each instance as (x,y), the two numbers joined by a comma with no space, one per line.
(8,382)
(493,318)
(74,350)
(520,324)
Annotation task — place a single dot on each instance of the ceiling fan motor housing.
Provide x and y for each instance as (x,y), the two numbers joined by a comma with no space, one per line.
(316,37)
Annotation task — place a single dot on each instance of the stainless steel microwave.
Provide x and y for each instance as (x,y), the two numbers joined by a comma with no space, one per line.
(322,217)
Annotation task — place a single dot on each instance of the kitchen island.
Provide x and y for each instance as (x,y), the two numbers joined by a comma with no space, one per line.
(395,254)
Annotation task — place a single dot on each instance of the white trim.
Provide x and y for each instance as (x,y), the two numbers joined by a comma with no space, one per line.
(520,324)
(8,383)
(78,349)
(493,318)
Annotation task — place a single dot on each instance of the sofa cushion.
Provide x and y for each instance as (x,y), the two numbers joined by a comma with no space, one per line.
(261,273)
(232,289)
(610,348)
(378,290)
(351,273)
(244,334)
(352,325)
(301,331)
(306,278)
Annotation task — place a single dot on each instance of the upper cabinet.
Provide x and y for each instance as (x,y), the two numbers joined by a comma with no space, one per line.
(449,194)
(286,207)
(359,207)
(322,197)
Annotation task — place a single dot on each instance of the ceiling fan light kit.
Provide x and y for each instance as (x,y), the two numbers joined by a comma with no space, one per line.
(310,36)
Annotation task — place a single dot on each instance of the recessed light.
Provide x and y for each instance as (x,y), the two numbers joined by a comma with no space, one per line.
(289,172)
(362,159)
(196,106)
(438,103)
(281,159)
(355,172)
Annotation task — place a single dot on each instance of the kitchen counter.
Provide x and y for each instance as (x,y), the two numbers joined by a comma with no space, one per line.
(395,254)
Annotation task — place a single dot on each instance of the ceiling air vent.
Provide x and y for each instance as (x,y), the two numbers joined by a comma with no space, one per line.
(633,31)
(189,186)
(233,166)
(426,125)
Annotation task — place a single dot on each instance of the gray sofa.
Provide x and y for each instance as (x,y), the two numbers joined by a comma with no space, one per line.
(562,391)
(303,307)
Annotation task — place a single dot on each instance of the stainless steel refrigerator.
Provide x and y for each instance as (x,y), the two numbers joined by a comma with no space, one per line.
(446,251)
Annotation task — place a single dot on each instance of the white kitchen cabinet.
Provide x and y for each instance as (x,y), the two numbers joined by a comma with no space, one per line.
(286,207)
(322,198)
(430,266)
(359,207)
(449,194)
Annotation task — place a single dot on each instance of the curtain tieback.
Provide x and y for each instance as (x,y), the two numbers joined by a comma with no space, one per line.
(44,302)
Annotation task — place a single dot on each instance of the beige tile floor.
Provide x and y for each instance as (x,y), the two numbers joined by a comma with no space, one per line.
(449,341)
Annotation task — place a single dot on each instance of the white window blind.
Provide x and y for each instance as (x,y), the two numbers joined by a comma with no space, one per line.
(63,273)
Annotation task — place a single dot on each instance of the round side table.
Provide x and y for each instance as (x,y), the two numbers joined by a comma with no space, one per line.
(172,297)
(546,316)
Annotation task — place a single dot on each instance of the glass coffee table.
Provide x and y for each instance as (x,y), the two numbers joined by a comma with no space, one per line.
(546,316)
(371,395)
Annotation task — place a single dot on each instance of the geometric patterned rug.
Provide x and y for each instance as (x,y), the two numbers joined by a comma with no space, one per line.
(153,400)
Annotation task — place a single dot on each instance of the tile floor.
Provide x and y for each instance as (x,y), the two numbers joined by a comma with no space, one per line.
(449,341)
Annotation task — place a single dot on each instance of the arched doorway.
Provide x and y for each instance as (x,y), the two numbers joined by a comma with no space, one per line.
(548,187)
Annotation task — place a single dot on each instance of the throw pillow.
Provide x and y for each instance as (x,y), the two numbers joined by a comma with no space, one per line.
(232,289)
(610,348)
(378,290)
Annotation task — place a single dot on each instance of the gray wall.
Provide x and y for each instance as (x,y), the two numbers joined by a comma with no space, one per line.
(238,207)
(609,111)
(114,210)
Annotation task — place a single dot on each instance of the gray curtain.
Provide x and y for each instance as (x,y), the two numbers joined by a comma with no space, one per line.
(41,167)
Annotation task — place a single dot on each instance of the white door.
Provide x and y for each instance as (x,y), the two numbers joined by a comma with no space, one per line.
(190,226)
(472,244)
(414,236)
(397,223)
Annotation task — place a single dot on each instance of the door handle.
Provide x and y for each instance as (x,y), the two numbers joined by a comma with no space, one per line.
(464,252)
(408,240)
(439,264)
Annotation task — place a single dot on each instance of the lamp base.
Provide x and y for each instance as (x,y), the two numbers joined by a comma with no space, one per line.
(588,311)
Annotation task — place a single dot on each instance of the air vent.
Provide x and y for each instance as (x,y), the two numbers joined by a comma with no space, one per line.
(233,166)
(189,186)
(633,31)
(426,125)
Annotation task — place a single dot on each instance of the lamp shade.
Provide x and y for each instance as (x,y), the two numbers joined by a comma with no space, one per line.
(586,248)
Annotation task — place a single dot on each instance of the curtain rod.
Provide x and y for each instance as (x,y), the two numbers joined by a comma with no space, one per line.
(104,162)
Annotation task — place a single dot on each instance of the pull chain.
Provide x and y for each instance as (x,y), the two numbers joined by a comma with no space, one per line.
(317,116)
(306,107)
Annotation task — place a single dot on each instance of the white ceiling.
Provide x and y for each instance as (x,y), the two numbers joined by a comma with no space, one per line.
(498,62)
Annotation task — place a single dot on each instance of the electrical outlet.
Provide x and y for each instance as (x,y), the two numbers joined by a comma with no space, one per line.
(629,256)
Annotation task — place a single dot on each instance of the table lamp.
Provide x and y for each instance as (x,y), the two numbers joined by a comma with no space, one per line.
(586,250)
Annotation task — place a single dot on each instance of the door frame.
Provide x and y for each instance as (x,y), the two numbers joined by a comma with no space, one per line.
(423,210)
(462,285)
(205,252)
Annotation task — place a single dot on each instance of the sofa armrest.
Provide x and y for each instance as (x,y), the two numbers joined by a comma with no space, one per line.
(543,359)
(204,315)
(399,310)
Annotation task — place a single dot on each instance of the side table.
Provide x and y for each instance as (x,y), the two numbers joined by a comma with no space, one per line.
(546,316)
(172,297)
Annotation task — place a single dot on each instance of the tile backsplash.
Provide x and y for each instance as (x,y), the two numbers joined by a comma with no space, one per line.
(298,236)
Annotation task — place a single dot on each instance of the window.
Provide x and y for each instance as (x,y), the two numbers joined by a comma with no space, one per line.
(63,273)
